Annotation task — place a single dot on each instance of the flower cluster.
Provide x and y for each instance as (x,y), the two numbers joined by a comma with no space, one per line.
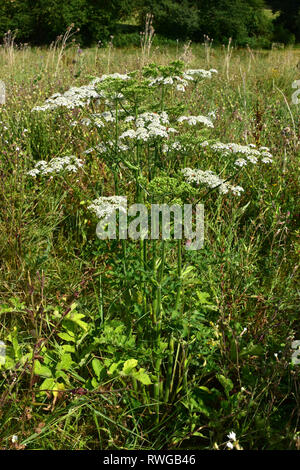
(69,164)
(112,76)
(177,146)
(79,96)
(182,82)
(193,120)
(211,180)
(72,98)
(232,439)
(106,206)
(148,126)
(250,152)
(194,74)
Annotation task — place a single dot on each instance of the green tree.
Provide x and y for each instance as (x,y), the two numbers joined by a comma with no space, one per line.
(239,19)
(287,24)
(41,21)
(177,19)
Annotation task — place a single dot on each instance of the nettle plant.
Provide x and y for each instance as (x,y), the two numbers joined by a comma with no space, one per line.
(148,142)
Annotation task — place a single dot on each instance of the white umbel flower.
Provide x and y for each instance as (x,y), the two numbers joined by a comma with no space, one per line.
(69,164)
(193,120)
(211,180)
(105,206)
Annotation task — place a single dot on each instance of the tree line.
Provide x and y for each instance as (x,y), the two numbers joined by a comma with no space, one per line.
(245,21)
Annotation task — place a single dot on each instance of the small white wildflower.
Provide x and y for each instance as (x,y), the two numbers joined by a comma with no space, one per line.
(240,162)
(229,445)
(34,172)
(168,81)
(212,115)
(193,120)
(252,159)
(108,116)
(237,190)
(56,165)
(129,119)
(267,160)
(86,121)
(180,87)
(14,438)
(232,436)
(264,149)
(130,134)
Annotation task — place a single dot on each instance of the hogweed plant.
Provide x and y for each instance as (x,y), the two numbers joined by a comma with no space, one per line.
(148,244)
(154,150)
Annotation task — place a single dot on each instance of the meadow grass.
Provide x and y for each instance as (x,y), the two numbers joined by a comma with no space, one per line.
(219,355)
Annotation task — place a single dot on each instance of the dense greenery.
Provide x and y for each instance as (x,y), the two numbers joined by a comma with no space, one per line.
(287,24)
(41,21)
(239,19)
(245,21)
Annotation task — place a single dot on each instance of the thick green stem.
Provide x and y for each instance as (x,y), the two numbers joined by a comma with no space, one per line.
(170,368)
(157,386)
(179,262)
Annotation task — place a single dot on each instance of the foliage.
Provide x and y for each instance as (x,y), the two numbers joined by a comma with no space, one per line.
(237,19)
(41,21)
(287,24)
(246,22)
(123,344)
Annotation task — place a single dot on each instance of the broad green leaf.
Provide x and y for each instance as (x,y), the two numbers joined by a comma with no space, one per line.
(97,367)
(77,318)
(128,366)
(67,336)
(114,367)
(47,384)
(142,377)
(226,383)
(65,362)
(40,369)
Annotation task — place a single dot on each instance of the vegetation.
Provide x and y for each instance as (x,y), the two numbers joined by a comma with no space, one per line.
(245,21)
(287,23)
(123,344)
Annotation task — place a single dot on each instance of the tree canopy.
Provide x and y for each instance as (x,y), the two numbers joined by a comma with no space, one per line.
(245,21)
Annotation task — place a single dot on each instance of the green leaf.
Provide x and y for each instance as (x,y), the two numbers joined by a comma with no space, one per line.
(226,383)
(97,367)
(40,369)
(128,366)
(65,362)
(77,318)
(68,348)
(252,350)
(114,366)
(94,383)
(142,377)
(67,336)
(47,384)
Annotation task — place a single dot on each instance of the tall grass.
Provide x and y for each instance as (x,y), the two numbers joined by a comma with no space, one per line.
(215,340)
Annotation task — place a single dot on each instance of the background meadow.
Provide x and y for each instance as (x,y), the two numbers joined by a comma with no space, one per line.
(113,345)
